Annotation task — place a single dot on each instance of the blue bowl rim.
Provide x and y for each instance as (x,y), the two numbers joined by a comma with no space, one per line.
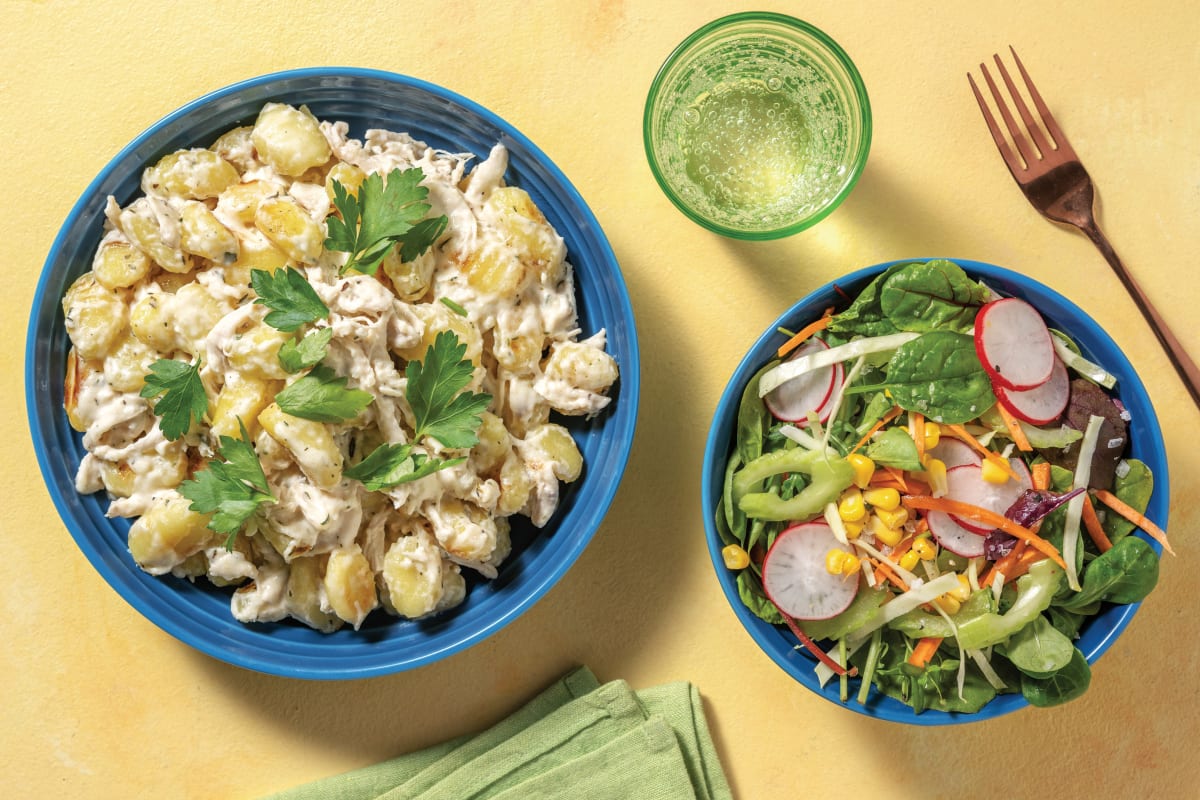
(771,639)
(357,666)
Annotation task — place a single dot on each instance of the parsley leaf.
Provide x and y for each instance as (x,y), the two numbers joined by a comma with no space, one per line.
(433,393)
(230,490)
(383,213)
(183,396)
(308,352)
(289,295)
(392,464)
(322,396)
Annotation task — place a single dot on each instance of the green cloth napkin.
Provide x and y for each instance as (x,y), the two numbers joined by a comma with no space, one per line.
(575,739)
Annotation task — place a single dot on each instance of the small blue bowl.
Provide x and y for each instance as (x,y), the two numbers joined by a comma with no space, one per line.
(198,614)
(1146,444)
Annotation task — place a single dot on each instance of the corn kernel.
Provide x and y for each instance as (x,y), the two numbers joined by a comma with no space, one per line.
(935,468)
(963,591)
(885,535)
(894,518)
(948,603)
(834,560)
(864,469)
(850,506)
(933,434)
(910,560)
(850,564)
(924,549)
(735,557)
(853,529)
(992,472)
(885,499)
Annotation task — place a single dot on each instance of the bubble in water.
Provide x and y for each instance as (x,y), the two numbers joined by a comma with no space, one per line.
(691,116)
(774,83)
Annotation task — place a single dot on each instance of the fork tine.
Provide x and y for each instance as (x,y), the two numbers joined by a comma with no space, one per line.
(1018,137)
(1056,134)
(1010,158)
(1035,131)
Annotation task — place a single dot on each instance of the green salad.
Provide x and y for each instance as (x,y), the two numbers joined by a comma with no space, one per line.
(931,489)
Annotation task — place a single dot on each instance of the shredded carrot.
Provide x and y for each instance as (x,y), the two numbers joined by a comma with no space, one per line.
(1039,474)
(900,549)
(923,652)
(906,485)
(1014,429)
(805,333)
(987,517)
(898,476)
(917,487)
(961,433)
(881,480)
(916,422)
(1027,560)
(884,420)
(1136,517)
(1092,523)
(882,568)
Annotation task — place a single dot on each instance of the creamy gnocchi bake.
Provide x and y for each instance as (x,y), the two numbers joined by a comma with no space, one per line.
(246,352)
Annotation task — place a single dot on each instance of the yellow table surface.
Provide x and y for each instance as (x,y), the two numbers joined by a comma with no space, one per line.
(98,702)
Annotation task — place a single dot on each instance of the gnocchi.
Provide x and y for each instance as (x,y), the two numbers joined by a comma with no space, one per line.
(172,279)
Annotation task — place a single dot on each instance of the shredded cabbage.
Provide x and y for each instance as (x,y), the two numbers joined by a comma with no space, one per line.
(1083,474)
(902,604)
(1087,369)
(774,378)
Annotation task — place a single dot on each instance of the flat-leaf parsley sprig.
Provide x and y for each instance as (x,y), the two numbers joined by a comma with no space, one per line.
(293,303)
(383,213)
(442,411)
(433,394)
(292,299)
(231,489)
(322,396)
(183,397)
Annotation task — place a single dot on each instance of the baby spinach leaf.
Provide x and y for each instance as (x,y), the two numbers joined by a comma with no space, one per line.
(895,448)
(1068,623)
(873,411)
(727,536)
(752,595)
(1124,574)
(934,295)
(1039,649)
(939,375)
(865,317)
(734,519)
(1135,488)
(1061,687)
(752,419)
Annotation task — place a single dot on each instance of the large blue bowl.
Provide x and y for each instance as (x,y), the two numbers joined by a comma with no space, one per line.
(198,614)
(1146,444)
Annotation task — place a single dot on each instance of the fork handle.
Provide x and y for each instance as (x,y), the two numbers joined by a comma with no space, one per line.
(1187,369)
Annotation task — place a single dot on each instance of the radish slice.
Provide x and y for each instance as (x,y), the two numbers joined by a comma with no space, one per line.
(1042,404)
(1014,344)
(792,401)
(794,575)
(954,537)
(954,453)
(966,483)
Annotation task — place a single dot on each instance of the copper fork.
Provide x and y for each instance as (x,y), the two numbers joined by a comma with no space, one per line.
(1050,174)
